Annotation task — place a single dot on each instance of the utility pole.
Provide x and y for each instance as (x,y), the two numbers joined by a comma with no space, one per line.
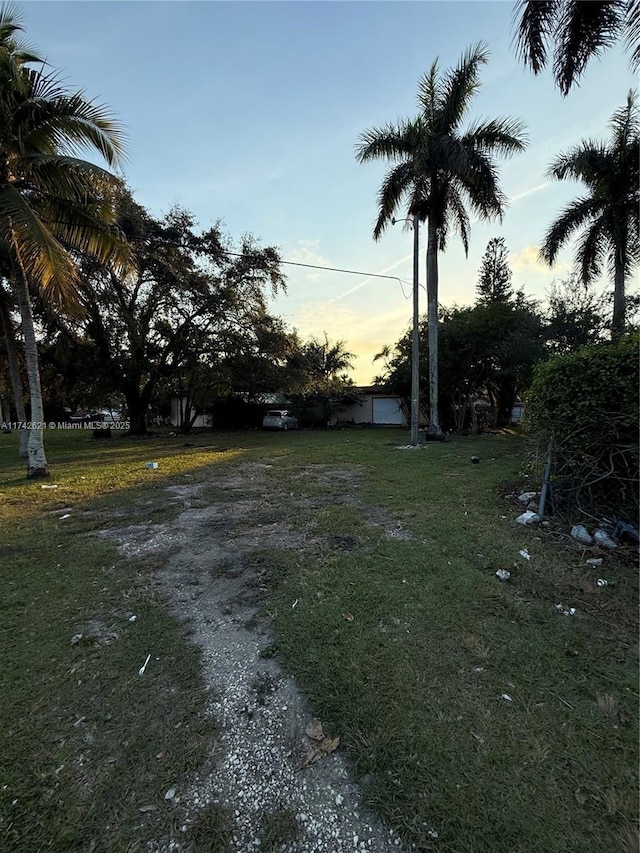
(415,342)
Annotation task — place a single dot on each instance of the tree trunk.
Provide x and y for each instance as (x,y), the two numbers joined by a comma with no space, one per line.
(137,406)
(14,372)
(474,415)
(36,459)
(434,432)
(617,326)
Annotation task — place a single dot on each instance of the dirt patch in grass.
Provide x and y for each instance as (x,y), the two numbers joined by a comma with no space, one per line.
(219,562)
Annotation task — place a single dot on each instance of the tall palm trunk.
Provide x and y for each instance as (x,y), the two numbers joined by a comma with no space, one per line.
(14,371)
(36,459)
(434,431)
(617,325)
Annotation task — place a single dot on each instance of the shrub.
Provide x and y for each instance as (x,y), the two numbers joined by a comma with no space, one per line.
(586,403)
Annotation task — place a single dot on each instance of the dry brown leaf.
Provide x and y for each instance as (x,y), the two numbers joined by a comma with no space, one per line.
(329,744)
(348,616)
(319,748)
(314,729)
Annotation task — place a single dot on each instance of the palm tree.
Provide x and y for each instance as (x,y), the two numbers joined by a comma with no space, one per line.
(438,170)
(608,213)
(52,203)
(578,31)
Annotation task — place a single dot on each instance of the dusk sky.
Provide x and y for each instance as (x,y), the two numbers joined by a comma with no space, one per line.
(250,112)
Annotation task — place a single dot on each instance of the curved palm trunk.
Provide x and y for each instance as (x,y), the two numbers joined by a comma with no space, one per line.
(14,371)
(617,325)
(434,432)
(36,458)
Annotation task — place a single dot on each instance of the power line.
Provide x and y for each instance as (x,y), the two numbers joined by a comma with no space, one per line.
(330,269)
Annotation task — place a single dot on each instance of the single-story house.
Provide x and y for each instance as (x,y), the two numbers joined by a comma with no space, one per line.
(374,406)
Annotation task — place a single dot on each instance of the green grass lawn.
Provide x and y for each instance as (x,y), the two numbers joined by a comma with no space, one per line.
(413,682)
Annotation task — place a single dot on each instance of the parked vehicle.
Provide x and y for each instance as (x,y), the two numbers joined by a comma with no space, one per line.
(279,419)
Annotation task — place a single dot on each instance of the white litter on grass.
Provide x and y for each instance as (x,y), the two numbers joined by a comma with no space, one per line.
(295,603)
(66,515)
(524,553)
(409,447)
(528,518)
(506,697)
(170,794)
(48,486)
(132,618)
(503,574)
(594,561)
(602,582)
(144,665)
(566,611)
(604,540)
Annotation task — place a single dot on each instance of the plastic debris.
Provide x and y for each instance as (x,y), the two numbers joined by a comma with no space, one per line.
(144,665)
(145,809)
(475,460)
(604,540)
(602,582)
(49,486)
(66,515)
(151,465)
(594,561)
(528,518)
(527,497)
(503,574)
(566,611)
(170,794)
(132,618)
(524,554)
(580,533)
(624,531)
(76,639)
(295,603)
(506,697)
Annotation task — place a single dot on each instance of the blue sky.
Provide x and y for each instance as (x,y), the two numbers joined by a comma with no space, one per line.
(249,112)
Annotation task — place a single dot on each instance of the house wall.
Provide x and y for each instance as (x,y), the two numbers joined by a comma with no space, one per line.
(386,410)
(200,421)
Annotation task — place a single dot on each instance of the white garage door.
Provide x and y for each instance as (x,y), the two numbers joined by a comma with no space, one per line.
(386,411)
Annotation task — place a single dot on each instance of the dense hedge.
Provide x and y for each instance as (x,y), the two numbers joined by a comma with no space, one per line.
(587,404)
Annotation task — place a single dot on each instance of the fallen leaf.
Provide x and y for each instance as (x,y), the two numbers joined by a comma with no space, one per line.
(348,616)
(324,747)
(328,745)
(314,729)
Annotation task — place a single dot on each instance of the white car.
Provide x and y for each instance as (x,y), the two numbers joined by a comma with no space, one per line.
(279,419)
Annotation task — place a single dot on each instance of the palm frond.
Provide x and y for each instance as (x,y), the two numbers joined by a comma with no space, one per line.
(456,208)
(632,36)
(84,228)
(395,185)
(481,182)
(534,29)
(625,122)
(592,250)
(584,30)
(505,136)
(54,121)
(430,94)
(70,177)
(390,142)
(44,258)
(576,215)
(587,162)
(459,86)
